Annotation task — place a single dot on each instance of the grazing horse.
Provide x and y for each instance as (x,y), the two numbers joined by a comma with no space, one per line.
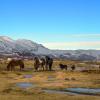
(62,66)
(11,65)
(49,62)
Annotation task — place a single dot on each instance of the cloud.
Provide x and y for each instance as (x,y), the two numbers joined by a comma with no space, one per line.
(78,35)
(86,35)
(73,45)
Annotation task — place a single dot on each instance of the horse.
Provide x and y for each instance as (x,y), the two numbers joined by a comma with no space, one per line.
(11,65)
(62,66)
(73,67)
(42,63)
(36,63)
(49,62)
(39,62)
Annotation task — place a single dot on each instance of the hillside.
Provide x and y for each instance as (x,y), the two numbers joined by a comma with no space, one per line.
(26,47)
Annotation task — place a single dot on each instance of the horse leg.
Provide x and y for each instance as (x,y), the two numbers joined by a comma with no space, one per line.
(36,68)
(46,66)
(42,66)
(66,68)
(11,68)
(20,68)
(50,67)
(8,67)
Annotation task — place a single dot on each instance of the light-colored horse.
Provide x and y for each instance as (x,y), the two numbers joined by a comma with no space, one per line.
(39,63)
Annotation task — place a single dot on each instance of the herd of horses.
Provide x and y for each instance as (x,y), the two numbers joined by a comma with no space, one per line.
(45,63)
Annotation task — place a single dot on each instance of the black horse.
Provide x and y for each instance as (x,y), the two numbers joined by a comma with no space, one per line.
(73,67)
(62,66)
(49,63)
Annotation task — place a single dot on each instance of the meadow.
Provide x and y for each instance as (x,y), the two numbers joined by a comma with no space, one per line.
(49,80)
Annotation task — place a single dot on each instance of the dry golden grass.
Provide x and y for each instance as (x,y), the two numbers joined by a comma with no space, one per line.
(51,80)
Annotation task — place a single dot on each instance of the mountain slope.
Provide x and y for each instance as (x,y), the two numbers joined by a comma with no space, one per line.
(28,47)
(7,45)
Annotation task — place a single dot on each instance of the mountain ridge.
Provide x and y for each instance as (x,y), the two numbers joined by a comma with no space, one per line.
(24,46)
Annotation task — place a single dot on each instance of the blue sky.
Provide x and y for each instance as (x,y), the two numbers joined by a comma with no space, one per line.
(57,24)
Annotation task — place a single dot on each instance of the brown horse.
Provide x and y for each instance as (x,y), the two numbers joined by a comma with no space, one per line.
(11,65)
(36,63)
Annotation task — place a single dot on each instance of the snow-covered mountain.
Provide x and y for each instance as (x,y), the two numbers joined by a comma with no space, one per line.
(28,47)
(8,45)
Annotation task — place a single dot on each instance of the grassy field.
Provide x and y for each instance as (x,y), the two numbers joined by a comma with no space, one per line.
(56,79)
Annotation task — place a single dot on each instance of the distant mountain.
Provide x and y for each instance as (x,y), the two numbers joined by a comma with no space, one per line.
(8,45)
(78,54)
(26,47)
